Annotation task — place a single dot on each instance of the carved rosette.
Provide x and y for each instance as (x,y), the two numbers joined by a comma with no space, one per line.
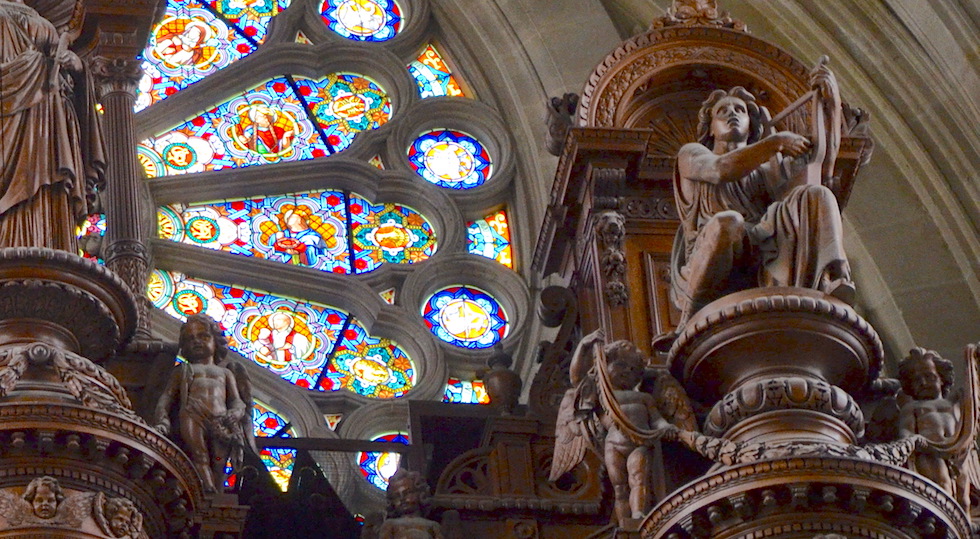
(803,497)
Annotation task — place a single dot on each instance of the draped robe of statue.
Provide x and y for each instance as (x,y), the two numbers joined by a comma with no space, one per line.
(796,241)
(50,146)
(766,226)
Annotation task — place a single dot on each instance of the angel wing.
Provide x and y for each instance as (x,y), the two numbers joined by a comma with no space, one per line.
(671,399)
(577,428)
(14,509)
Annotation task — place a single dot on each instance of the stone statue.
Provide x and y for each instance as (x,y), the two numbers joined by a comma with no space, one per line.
(753,205)
(44,494)
(212,398)
(608,409)
(408,498)
(50,147)
(926,409)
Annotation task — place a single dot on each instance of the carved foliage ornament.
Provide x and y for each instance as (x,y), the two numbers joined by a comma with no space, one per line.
(610,229)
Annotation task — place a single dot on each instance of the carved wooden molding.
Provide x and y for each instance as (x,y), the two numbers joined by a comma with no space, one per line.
(766,499)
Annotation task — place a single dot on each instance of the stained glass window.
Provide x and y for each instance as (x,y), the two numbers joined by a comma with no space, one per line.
(388,233)
(91,230)
(196,38)
(307,229)
(378,467)
(465,316)
(270,124)
(450,159)
(490,237)
(313,346)
(388,295)
(433,75)
(278,460)
(362,20)
(465,392)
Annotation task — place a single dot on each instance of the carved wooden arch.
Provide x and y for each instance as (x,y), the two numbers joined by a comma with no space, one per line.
(658,80)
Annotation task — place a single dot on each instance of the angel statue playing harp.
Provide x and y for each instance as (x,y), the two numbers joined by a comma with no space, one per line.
(609,411)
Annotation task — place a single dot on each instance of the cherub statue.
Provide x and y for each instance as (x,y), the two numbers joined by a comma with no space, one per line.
(408,498)
(949,424)
(609,411)
(212,396)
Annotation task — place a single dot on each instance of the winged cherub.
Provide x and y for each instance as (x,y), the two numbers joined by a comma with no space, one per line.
(608,411)
(949,424)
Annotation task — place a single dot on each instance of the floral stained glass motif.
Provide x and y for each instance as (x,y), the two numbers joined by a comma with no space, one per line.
(306,229)
(362,20)
(465,392)
(450,159)
(196,39)
(269,124)
(490,237)
(378,467)
(466,317)
(388,233)
(312,346)
(433,75)
(278,460)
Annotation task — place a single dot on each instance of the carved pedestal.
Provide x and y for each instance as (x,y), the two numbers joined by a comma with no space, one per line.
(778,364)
(67,419)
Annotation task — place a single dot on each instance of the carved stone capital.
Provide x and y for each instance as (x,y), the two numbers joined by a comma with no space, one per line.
(117,75)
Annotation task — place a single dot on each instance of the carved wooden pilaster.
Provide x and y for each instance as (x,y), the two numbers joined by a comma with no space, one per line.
(126,251)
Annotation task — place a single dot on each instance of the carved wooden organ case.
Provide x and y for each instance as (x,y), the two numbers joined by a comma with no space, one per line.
(778,376)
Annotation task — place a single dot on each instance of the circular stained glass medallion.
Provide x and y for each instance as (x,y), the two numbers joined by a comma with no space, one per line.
(362,20)
(378,467)
(466,317)
(450,159)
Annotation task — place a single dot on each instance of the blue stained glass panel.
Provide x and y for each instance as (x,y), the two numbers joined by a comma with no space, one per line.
(362,20)
(450,159)
(465,316)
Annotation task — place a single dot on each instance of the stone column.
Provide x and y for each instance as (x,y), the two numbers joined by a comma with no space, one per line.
(125,248)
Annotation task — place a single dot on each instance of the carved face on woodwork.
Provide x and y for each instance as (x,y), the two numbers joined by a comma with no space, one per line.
(730,120)
(196,341)
(625,364)
(407,493)
(123,515)
(44,495)
(925,375)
